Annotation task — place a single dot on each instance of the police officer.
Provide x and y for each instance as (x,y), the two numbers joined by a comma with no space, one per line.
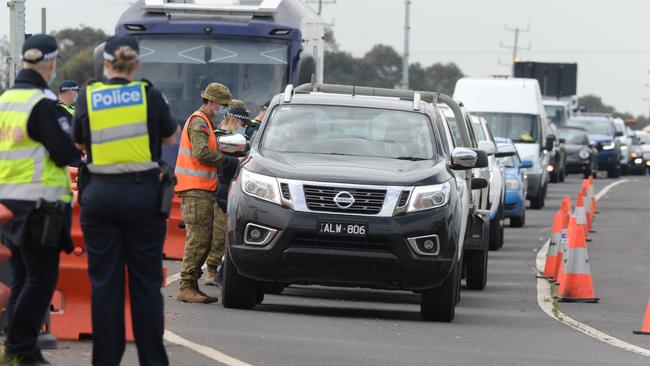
(121,124)
(35,185)
(235,121)
(68,91)
(196,169)
(254,125)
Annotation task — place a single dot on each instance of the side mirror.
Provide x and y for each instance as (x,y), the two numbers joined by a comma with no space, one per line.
(463,159)
(481,159)
(488,146)
(549,143)
(233,144)
(618,133)
(642,143)
(479,183)
(526,164)
(562,141)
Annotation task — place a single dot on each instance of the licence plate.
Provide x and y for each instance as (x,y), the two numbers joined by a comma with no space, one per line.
(343,228)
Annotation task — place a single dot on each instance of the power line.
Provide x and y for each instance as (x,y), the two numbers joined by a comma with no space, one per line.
(515,46)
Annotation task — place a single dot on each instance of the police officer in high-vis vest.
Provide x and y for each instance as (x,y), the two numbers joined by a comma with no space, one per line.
(197,169)
(68,91)
(121,123)
(35,186)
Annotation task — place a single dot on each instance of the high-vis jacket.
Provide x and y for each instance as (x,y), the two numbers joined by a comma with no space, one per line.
(191,173)
(26,170)
(118,128)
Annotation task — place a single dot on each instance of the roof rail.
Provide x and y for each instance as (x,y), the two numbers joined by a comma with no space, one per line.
(214,7)
(429,97)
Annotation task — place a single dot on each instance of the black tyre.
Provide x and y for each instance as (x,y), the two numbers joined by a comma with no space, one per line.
(563,174)
(496,230)
(238,292)
(537,202)
(614,172)
(476,262)
(439,304)
(555,176)
(518,221)
(587,175)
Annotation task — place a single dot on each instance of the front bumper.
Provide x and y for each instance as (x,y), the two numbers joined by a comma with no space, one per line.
(514,204)
(608,159)
(384,259)
(576,165)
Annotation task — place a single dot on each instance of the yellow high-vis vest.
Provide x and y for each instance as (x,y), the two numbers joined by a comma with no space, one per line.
(118,128)
(27,172)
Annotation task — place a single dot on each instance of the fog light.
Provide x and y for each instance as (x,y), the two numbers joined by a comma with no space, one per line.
(258,235)
(550,168)
(425,245)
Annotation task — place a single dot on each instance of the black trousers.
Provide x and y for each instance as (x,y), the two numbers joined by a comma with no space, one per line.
(35,270)
(122,227)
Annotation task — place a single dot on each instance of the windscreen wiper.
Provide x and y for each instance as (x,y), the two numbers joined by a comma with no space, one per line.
(410,158)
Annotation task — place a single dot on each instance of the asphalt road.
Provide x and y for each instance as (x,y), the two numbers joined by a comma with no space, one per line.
(501,325)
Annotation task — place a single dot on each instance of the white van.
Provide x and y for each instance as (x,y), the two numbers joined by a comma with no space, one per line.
(513,108)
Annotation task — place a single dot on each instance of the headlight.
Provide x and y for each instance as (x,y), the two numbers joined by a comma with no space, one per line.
(260,186)
(429,197)
(584,154)
(633,154)
(609,146)
(512,184)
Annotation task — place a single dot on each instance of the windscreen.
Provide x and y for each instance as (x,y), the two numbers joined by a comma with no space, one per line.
(644,137)
(183,65)
(514,126)
(556,113)
(573,136)
(353,131)
(593,126)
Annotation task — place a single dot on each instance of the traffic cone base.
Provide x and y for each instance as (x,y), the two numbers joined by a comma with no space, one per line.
(645,329)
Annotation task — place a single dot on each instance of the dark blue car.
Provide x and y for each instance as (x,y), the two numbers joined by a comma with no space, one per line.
(602,134)
(516,183)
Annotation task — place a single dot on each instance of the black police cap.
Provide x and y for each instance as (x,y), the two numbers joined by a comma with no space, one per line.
(42,42)
(67,85)
(115,42)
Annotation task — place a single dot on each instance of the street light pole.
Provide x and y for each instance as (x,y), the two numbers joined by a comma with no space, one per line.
(16,36)
(407,34)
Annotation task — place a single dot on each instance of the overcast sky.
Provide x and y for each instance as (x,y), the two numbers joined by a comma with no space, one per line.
(608,39)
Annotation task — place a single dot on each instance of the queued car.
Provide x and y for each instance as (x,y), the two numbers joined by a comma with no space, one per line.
(477,241)
(582,156)
(516,182)
(644,141)
(497,188)
(602,134)
(636,163)
(557,157)
(332,194)
(625,142)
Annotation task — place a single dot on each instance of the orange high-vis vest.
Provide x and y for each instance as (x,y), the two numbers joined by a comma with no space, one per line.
(191,173)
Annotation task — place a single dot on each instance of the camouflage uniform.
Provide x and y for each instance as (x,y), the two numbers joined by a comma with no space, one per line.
(204,220)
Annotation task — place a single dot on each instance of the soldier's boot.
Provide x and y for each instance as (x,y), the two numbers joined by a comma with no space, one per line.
(211,276)
(189,292)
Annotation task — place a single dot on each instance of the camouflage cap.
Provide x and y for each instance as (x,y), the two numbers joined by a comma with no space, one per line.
(217,93)
(236,103)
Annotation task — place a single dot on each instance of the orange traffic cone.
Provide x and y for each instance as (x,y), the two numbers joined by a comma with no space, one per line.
(576,283)
(566,205)
(561,251)
(5,214)
(556,238)
(645,328)
(587,204)
(581,216)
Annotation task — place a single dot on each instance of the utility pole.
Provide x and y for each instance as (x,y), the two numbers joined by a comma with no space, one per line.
(407,36)
(515,46)
(43,21)
(16,36)
(320,4)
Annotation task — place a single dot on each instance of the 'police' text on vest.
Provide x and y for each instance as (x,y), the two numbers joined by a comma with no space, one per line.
(119,97)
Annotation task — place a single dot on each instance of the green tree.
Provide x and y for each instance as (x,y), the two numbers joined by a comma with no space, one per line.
(339,68)
(78,68)
(381,67)
(4,66)
(76,46)
(594,104)
(442,77)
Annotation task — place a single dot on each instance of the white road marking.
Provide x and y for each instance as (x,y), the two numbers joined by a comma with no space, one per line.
(208,352)
(550,307)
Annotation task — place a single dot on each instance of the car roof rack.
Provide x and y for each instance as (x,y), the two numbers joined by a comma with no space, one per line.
(262,8)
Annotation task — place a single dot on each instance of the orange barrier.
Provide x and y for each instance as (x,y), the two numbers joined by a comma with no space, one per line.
(5,216)
(175,241)
(645,328)
(70,306)
(556,238)
(576,283)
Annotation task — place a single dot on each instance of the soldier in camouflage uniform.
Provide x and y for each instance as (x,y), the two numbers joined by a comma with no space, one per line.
(204,220)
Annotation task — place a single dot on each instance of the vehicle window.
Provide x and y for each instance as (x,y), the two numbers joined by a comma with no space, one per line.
(593,126)
(618,127)
(645,138)
(575,137)
(556,114)
(514,126)
(478,131)
(333,130)
(507,162)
